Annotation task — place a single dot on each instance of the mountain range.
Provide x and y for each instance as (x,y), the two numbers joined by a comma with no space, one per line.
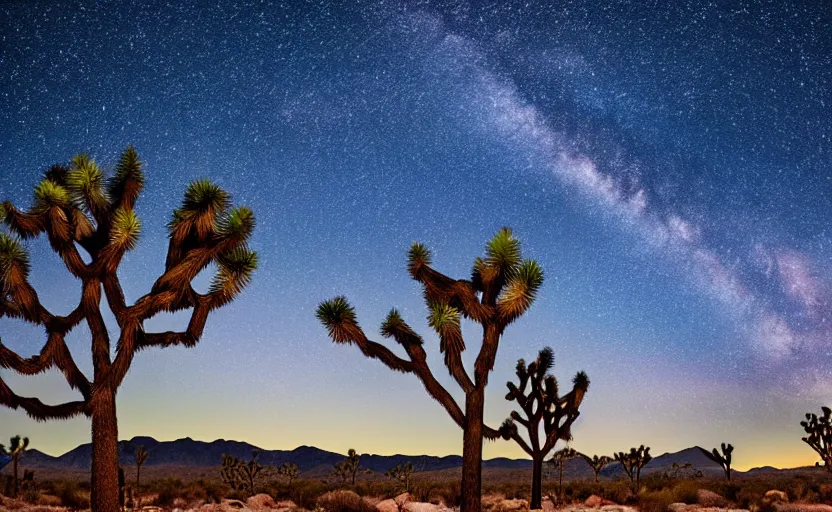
(309,459)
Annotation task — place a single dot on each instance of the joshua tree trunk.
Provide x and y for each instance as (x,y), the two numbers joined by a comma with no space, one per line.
(472,452)
(105,492)
(138,475)
(537,484)
(15,488)
(560,483)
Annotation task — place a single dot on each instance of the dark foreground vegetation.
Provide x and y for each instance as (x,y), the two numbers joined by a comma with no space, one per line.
(657,491)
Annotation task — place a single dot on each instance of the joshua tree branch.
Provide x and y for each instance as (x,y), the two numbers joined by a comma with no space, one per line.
(522,442)
(54,352)
(39,411)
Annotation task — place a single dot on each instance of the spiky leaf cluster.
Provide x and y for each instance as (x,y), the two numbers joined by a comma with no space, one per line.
(819,434)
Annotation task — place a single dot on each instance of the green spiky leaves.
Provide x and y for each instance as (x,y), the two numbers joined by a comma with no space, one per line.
(49,194)
(124,233)
(520,290)
(202,208)
(338,316)
(234,271)
(395,327)
(14,262)
(503,250)
(417,257)
(86,181)
(445,320)
(239,223)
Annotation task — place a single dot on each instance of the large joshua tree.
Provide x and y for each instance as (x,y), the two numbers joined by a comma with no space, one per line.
(819,435)
(538,399)
(81,211)
(723,459)
(502,287)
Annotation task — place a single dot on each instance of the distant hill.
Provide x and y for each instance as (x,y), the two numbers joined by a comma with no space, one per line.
(188,452)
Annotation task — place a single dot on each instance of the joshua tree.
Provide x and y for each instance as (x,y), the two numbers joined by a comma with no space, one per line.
(289,470)
(596,463)
(633,462)
(141,456)
(351,464)
(80,210)
(819,430)
(542,403)
(402,473)
(723,459)
(240,475)
(341,470)
(17,445)
(558,460)
(502,287)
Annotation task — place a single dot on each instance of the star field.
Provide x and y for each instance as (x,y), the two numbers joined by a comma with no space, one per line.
(668,166)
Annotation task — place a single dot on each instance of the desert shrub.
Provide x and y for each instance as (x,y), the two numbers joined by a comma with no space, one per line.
(450,493)
(168,489)
(304,493)
(344,501)
(72,496)
(31,496)
(656,501)
(686,492)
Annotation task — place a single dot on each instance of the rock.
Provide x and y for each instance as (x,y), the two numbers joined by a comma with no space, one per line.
(678,507)
(710,499)
(403,498)
(596,501)
(548,506)
(233,505)
(285,505)
(261,502)
(387,506)
(774,496)
(801,507)
(418,506)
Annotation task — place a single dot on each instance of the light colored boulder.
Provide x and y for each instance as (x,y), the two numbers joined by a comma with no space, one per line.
(387,506)
(418,506)
(711,499)
(801,507)
(512,505)
(261,502)
(403,498)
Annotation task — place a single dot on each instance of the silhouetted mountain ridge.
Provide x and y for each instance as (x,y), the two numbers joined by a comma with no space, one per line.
(190,452)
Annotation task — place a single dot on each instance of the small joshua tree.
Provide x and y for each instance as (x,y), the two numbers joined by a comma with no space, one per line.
(402,473)
(540,402)
(80,210)
(17,445)
(723,459)
(633,462)
(558,460)
(289,470)
(596,463)
(141,457)
(819,435)
(341,470)
(351,464)
(502,287)
(240,475)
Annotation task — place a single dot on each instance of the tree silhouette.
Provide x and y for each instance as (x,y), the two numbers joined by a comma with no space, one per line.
(240,475)
(542,403)
(502,287)
(402,473)
(819,438)
(558,460)
(341,470)
(79,210)
(633,462)
(723,459)
(596,463)
(289,470)
(17,445)
(141,457)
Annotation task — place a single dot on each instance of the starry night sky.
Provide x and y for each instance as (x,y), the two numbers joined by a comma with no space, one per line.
(670,167)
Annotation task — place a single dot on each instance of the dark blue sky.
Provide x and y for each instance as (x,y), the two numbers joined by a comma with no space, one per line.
(669,166)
